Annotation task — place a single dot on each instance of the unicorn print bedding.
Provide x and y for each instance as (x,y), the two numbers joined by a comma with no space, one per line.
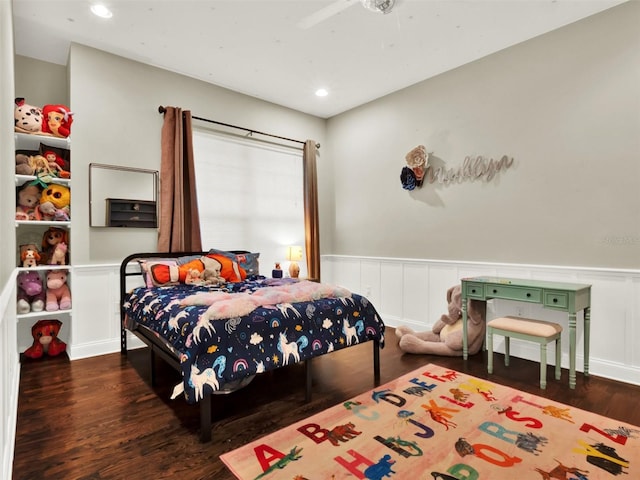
(225,334)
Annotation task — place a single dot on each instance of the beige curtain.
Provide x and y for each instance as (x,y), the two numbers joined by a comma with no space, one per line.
(311,224)
(179,220)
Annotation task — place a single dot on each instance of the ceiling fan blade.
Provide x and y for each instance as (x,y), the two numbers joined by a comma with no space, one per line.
(324,13)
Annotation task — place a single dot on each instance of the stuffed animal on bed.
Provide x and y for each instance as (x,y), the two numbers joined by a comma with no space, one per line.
(445,337)
(45,339)
(208,269)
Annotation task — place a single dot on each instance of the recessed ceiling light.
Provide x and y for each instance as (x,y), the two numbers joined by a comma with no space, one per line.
(101,11)
(322,92)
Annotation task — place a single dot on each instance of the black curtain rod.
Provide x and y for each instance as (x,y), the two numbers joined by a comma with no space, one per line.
(161,109)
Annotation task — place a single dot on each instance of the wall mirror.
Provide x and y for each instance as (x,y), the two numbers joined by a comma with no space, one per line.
(122,196)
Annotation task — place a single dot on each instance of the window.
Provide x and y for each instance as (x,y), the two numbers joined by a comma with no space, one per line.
(250,196)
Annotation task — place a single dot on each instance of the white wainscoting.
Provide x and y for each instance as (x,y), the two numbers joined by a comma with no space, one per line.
(413,292)
(9,374)
(96,311)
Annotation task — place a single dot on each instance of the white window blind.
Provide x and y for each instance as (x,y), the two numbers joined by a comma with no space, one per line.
(250,197)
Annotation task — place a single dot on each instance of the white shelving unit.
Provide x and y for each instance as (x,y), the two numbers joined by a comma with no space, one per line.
(28,231)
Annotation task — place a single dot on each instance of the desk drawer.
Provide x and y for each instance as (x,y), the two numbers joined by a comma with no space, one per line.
(474,290)
(555,299)
(513,292)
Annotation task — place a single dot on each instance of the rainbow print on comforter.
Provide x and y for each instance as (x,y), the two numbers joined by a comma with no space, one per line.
(270,336)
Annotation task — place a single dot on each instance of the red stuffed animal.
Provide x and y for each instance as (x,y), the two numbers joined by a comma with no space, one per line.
(57,120)
(45,339)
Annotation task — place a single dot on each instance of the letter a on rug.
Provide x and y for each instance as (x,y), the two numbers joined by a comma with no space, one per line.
(435,423)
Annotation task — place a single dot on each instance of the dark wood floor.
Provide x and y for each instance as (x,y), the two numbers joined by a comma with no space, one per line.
(99,418)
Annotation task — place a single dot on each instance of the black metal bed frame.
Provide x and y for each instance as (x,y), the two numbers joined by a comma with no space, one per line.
(157,347)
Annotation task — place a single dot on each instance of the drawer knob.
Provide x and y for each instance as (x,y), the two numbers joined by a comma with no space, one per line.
(555,300)
(495,291)
(528,295)
(473,290)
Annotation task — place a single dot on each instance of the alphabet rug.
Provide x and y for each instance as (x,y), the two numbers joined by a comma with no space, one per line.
(439,424)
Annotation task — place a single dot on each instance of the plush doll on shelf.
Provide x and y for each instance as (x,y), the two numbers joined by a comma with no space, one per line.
(30,257)
(55,203)
(31,294)
(51,237)
(56,164)
(28,198)
(58,292)
(45,339)
(445,337)
(27,118)
(59,254)
(57,120)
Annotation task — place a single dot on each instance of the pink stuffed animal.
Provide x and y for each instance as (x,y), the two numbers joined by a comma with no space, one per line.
(445,337)
(58,292)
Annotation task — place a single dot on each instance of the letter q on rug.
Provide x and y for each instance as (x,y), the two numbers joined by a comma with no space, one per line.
(440,424)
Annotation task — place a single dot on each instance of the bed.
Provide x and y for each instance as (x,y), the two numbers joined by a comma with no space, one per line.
(222,323)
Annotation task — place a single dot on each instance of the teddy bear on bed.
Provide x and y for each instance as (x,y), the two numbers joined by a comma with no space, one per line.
(445,337)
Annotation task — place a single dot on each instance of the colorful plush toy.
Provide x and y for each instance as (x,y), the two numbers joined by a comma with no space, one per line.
(45,339)
(27,200)
(57,120)
(56,164)
(58,292)
(30,257)
(27,118)
(31,294)
(51,237)
(209,269)
(55,202)
(445,337)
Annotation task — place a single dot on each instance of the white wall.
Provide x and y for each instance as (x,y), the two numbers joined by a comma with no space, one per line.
(564,105)
(9,366)
(117,122)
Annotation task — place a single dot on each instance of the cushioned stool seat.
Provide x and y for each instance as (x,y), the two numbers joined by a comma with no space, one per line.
(538,331)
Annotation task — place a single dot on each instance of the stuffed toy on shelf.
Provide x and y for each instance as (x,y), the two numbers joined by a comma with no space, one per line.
(55,203)
(50,239)
(27,200)
(27,118)
(31,293)
(45,339)
(57,120)
(445,337)
(58,292)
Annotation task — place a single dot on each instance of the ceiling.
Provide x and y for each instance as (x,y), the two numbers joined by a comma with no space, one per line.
(282,51)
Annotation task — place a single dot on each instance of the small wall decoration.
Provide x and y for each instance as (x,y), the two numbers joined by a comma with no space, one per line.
(473,168)
(412,175)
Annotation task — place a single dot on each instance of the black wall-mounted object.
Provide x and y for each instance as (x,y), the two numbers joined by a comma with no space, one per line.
(131,213)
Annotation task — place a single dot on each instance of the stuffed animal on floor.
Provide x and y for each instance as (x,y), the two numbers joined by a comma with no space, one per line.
(445,337)
(45,339)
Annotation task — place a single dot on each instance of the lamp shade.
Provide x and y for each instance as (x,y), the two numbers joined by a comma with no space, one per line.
(294,253)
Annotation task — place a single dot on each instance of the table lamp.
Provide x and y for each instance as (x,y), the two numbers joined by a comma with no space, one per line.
(294,255)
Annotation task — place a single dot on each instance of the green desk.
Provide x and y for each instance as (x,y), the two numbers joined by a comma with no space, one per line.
(566,297)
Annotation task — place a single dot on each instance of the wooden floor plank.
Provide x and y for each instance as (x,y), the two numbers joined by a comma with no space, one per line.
(99,418)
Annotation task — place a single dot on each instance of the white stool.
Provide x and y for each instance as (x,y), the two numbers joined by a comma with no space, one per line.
(537,331)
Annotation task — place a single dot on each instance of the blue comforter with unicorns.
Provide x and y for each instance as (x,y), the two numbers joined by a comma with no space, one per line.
(269,323)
